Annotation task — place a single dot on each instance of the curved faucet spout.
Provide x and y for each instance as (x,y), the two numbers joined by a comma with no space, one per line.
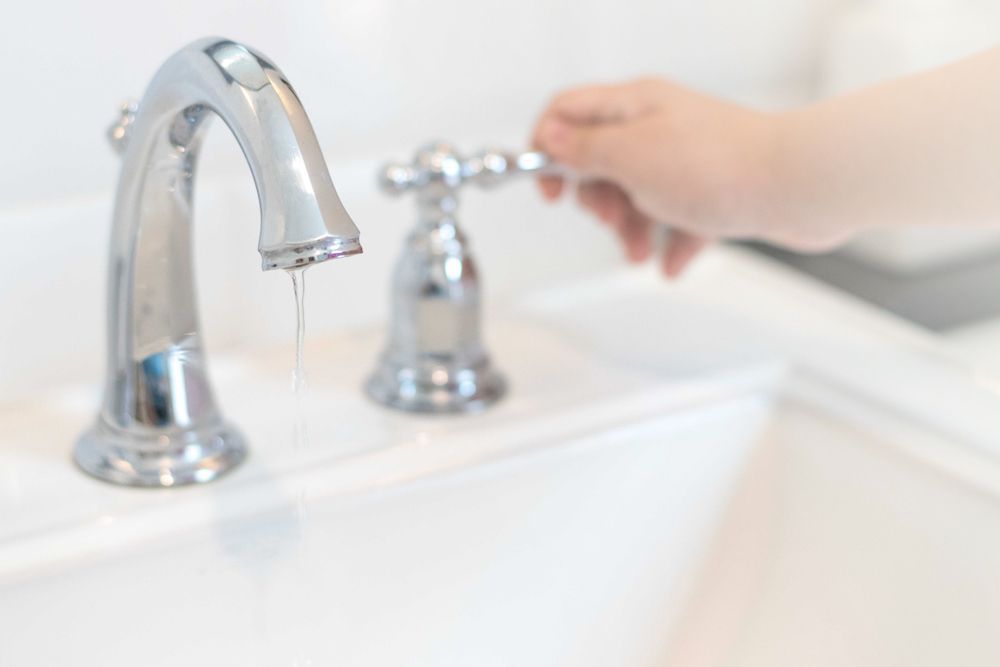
(159,425)
(302,218)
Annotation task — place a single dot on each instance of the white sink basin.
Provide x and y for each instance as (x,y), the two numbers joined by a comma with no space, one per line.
(744,470)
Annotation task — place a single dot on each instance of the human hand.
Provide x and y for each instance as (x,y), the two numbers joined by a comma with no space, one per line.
(651,153)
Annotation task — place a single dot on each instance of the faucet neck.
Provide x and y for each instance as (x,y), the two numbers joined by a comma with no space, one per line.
(156,373)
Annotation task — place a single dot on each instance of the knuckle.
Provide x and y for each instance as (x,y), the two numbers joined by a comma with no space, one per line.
(564,99)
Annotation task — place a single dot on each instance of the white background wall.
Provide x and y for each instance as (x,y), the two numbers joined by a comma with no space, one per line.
(378,78)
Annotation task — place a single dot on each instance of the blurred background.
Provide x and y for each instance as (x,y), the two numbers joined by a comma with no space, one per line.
(381,77)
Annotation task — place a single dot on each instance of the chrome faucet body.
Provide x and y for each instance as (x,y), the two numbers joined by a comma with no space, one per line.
(159,425)
(435,360)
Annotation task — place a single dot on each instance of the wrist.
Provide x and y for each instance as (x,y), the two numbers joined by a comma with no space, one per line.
(793,207)
(765,185)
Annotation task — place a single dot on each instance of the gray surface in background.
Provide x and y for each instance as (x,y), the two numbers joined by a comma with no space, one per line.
(940,298)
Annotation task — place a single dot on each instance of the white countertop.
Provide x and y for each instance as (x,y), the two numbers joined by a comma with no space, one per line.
(731,326)
(745,440)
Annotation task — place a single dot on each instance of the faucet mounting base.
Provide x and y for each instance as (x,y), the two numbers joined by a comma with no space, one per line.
(170,459)
(437,389)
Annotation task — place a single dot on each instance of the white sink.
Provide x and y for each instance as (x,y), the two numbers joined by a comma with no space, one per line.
(746,469)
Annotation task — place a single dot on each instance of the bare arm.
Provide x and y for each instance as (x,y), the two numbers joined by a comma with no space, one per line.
(921,149)
(917,150)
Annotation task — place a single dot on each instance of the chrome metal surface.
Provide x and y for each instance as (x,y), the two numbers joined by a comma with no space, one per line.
(435,360)
(159,425)
(121,129)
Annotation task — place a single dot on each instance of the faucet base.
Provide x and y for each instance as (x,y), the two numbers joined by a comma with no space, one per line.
(170,459)
(436,389)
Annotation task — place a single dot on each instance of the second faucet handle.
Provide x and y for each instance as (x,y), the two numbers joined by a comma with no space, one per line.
(490,167)
(438,165)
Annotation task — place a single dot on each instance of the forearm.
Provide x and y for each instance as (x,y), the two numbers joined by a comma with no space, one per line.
(923,149)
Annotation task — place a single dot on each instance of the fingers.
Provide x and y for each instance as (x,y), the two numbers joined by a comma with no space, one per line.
(605,200)
(600,151)
(636,235)
(587,105)
(606,103)
(605,133)
(612,206)
(682,247)
(551,187)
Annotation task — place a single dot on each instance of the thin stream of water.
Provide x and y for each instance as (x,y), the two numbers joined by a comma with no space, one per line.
(298,277)
(300,436)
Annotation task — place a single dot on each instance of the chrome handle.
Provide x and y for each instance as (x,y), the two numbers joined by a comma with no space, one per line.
(491,167)
(439,166)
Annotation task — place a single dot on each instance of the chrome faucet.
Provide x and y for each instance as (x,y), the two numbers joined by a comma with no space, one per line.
(159,425)
(435,360)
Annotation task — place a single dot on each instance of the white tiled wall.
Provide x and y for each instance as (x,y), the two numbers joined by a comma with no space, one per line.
(378,78)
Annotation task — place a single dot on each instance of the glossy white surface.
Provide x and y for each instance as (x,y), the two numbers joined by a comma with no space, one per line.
(745,469)
(978,343)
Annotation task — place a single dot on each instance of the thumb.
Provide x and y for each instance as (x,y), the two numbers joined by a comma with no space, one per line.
(592,149)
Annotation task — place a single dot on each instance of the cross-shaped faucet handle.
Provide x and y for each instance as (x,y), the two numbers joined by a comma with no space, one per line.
(438,166)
